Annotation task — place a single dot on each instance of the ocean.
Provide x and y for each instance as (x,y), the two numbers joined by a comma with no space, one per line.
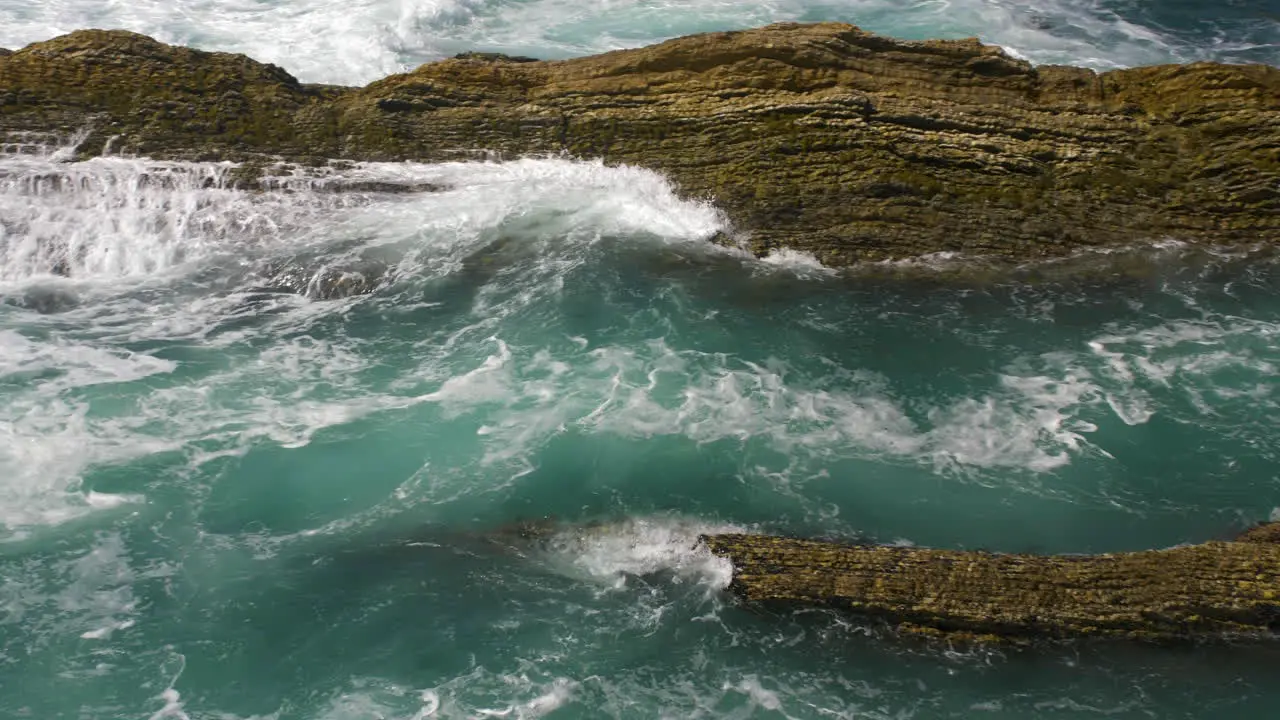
(220,501)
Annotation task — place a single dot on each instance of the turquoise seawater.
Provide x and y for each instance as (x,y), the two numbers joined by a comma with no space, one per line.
(221,502)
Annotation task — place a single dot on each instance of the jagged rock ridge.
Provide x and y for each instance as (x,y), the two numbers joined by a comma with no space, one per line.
(819,137)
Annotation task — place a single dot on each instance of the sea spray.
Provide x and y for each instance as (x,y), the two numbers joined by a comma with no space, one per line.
(609,552)
(346,42)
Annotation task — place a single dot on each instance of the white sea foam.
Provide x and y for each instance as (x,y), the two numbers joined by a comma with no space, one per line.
(63,365)
(1208,360)
(301,386)
(482,384)
(102,218)
(1033,427)
(132,219)
(1030,422)
(1025,424)
(118,217)
(45,448)
(356,41)
(47,441)
(373,699)
(609,199)
(1037,419)
(610,552)
(801,263)
(112,217)
(757,694)
(477,694)
(560,692)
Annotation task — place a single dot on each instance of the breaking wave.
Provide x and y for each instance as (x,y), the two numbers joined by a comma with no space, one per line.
(357,41)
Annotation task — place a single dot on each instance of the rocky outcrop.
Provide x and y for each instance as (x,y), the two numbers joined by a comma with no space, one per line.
(819,137)
(1223,589)
(1262,533)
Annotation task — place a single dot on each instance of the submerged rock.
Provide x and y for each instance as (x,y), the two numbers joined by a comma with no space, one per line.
(823,138)
(1223,589)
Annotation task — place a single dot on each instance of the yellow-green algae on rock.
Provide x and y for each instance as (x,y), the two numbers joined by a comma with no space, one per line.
(820,137)
(1222,589)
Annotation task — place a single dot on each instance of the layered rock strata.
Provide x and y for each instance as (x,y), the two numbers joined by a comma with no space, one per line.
(1222,589)
(822,137)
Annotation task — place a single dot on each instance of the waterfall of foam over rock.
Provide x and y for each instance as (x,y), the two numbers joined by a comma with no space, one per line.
(112,217)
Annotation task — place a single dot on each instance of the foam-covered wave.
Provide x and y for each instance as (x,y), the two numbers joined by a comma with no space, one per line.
(483,262)
(198,468)
(109,219)
(609,552)
(113,217)
(356,41)
(48,440)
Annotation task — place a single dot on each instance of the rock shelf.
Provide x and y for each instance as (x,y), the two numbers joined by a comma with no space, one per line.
(1218,589)
(819,137)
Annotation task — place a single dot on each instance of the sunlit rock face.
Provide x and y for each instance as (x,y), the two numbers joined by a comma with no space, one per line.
(1213,589)
(822,138)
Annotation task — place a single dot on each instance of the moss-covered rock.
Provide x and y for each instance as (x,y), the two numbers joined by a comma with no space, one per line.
(1219,589)
(819,137)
